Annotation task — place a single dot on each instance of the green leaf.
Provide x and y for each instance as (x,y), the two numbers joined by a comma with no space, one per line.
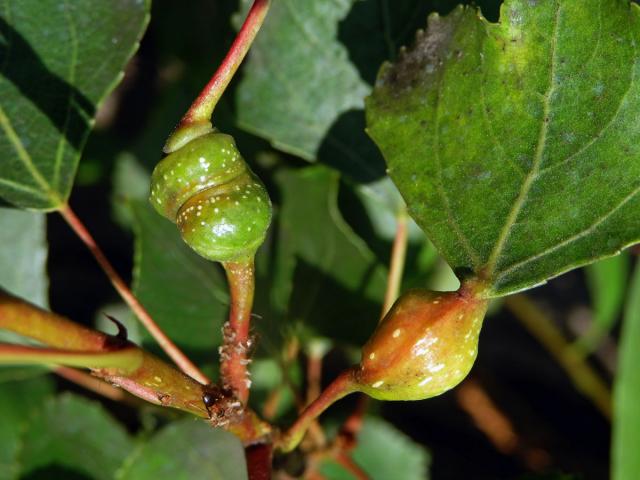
(187,450)
(626,396)
(23,256)
(384,452)
(383,203)
(515,145)
(60,60)
(311,66)
(330,279)
(130,182)
(286,94)
(19,398)
(70,436)
(184,293)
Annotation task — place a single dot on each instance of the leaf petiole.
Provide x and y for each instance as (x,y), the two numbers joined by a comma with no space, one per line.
(170,348)
(199,114)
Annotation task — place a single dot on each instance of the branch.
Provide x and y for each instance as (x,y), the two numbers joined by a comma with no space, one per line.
(351,466)
(170,348)
(123,360)
(496,425)
(140,373)
(94,385)
(259,459)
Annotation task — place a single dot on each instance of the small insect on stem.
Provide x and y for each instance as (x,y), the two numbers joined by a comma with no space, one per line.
(210,399)
(221,404)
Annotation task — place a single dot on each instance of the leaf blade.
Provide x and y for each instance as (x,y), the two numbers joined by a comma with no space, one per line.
(58,66)
(209,453)
(514,181)
(23,256)
(385,452)
(71,434)
(332,281)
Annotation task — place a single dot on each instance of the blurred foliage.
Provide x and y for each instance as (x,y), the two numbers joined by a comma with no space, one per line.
(185,294)
(208,453)
(607,281)
(383,452)
(626,426)
(23,265)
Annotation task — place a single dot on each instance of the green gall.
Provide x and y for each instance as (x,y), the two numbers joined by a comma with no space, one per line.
(222,209)
(424,346)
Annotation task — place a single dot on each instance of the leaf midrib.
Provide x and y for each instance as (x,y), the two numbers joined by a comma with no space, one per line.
(599,221)
(490,267)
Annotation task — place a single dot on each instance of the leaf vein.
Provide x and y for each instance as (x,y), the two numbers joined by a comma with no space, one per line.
(537,161)
(492,133)
(604,127)
(21,187)
(71,80)
(25,157)
(313,40)
(574,237)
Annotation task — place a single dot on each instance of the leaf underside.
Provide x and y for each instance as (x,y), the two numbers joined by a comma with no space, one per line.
(58,61)
(298,79)
(184,293)
(327,275)
(23,256)
(516,144)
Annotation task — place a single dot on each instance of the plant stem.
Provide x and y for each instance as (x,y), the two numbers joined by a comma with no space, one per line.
(136,371)
(314,373)
(342,386)
(202,108)
(259,459)
(487,417)
(124,359)
(352,467)
(315,355)
(396,266)
(234,351)
(584,378)
(170,348)
(93,384)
